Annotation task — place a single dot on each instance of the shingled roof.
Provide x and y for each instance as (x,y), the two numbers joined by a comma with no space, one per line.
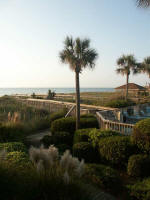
(131,86)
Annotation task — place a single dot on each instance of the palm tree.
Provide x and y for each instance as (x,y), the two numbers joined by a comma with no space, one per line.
(78,55)
(126,65)
(143,3)
(145,66)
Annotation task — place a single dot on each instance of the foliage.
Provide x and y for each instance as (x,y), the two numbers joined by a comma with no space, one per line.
(138,165)
(17,157)
(116,150)
(57,139)
(18,119)
(140,190)
(103,176)
(119,103)
(84,150)
(68,124)
(63,147)
(58,115)
(36,182)
(95,135)
(11,132)
(81,135)
(13,146)
(141,135)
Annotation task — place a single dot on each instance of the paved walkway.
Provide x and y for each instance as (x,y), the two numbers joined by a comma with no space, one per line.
(35,139)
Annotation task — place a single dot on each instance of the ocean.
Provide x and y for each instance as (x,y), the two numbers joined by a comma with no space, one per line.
(28,91)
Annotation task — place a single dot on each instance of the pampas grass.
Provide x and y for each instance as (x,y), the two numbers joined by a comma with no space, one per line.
(48,161)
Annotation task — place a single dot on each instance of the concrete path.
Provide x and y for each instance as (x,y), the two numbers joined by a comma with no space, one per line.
(35,139)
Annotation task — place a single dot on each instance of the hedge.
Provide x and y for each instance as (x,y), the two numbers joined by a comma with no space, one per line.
(16,157)
(139,165)
(95,135)
(141,135)
(57,139)
(13,146)
(103,176)
(69,124)
(82,135)
(116,150)
(85,150)
(140,190)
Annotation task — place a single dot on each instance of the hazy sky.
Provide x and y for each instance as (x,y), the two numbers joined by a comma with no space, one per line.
(32,32)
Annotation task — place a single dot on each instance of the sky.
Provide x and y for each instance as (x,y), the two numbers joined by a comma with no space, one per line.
(32,34)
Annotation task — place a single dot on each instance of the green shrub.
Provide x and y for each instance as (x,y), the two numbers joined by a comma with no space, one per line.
(57,139)
(88,116)
(119,103)
(63,124)
(116,150)
(139,165)
(13,146)
(17,157)
(95,135)
(140,190)
(84,150)
(141,135)
(63,147)
(103,176)
(58,115)
(68,124)
(82,135)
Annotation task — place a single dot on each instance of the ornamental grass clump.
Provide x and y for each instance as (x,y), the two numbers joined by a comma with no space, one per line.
(50,163)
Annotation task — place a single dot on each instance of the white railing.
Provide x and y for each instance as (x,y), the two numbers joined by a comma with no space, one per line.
(123,128)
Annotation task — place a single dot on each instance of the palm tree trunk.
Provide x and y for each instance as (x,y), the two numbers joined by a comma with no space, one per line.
(77,100)
(127,87)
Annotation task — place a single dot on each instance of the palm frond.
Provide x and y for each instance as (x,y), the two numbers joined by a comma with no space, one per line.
(78,54)
(143,3)
(126,64)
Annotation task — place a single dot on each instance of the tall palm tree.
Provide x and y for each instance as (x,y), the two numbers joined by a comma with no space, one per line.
(78,55)
(143,3)
(126,65)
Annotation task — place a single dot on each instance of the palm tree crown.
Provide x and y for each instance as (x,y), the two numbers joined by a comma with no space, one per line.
(143,3)
(126,64)
(78,54)
(146,66)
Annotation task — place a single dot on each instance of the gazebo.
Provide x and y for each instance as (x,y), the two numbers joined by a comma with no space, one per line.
(132,88)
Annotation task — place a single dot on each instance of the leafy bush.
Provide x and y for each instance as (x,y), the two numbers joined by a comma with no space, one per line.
(139,165)
(68,124)
(141,135)
(119,103)
(58,115)
(63,124)
(57,139)
(103,176)
(95,135)
(116,150)
(13,146)
(84,150)
(82,135)
(140,190)
(17,157)
(63,147)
